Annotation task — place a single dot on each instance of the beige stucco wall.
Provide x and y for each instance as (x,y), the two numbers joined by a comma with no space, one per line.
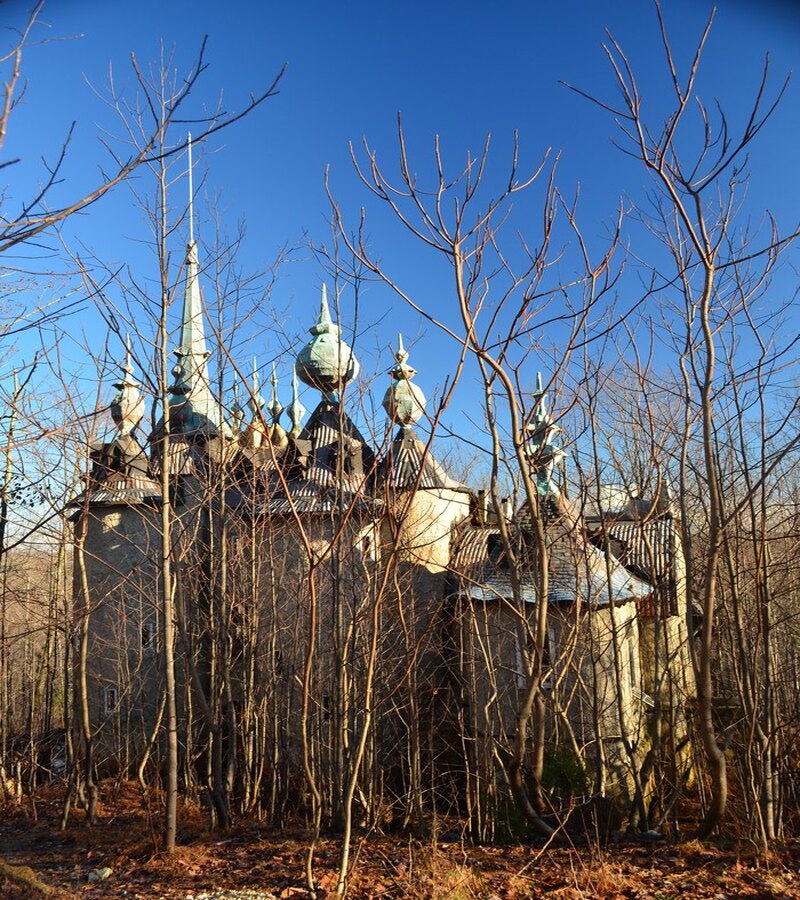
(419,525)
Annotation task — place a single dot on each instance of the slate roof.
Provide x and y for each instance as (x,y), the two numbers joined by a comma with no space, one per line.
(648,549)
(578,570)
(409,464)
(120,475)
(321,483)
(310,496)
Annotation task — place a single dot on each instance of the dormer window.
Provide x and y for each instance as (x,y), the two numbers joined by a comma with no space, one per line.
(347,454)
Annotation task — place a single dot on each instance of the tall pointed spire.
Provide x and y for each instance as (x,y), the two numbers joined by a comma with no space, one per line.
(191,390)
(191,190)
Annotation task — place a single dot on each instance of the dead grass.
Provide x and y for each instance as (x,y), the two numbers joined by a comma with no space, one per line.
(439,877)
(389,867)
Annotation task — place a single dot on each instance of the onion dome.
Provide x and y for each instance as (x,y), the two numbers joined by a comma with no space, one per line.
(404,402)
(296,410)
(540,447)
(127,406)
(326,362)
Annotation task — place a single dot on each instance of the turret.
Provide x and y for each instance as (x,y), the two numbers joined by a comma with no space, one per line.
(423,499)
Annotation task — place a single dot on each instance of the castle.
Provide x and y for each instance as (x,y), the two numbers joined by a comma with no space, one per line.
(350,610)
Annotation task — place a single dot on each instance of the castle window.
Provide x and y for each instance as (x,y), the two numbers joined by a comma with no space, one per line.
(148,636)
(110,700)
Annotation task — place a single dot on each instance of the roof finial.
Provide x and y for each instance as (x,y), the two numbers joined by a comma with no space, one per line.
(237,410)
(326,363)
(256,400)
(542,451)
(127,405)
(195,408)
(128,367)
(296,409)
(274,407)
(404,402)
(324,322)
(191,193)
(402,354)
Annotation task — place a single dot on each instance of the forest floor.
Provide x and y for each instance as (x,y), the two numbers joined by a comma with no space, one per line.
(252,861)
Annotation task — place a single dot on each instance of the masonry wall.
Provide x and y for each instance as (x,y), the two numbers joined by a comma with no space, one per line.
(120,559)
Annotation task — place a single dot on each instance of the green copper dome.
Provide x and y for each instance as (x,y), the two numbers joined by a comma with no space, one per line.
(326,362)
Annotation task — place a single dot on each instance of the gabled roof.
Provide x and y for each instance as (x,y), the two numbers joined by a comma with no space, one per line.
(319,481)
(577,569)
(410,464)
(120,475)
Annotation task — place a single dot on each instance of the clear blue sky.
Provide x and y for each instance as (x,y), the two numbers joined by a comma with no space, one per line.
(459,70)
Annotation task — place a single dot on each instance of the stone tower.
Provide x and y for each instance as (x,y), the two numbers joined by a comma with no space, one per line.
(116,611)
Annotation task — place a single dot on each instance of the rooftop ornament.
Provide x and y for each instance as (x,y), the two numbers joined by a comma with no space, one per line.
(326,363)
(127,406)
(194,408)
(237,411)
(404,402)
(296,410)
(275,408)
(543,453)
